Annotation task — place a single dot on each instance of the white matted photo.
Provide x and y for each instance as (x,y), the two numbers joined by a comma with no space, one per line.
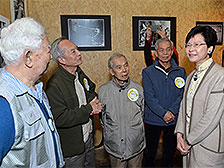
(18,9)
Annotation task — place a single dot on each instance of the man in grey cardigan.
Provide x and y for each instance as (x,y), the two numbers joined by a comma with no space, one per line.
(122,115)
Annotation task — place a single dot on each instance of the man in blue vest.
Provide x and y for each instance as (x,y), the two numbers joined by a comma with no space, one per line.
(28,137)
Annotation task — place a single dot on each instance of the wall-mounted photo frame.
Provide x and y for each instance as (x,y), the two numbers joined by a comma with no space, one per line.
(3,22)
(88,32)
(18,9)
(223,58)
(217,26)
(139,26)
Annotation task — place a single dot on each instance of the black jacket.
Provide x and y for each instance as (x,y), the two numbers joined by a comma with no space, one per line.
(65,108)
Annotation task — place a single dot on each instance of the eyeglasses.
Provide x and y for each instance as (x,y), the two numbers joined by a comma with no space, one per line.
(194,45)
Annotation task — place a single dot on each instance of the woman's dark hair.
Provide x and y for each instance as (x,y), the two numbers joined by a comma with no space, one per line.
(207,32)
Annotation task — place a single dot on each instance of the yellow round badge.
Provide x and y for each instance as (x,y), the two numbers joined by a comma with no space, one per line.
(85,81)
(133,94)
(179,82)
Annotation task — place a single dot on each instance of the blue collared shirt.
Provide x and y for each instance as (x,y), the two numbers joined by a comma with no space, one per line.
(19,88)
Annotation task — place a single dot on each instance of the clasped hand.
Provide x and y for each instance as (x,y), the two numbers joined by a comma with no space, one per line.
(182,145)
(168,117)
(96,105)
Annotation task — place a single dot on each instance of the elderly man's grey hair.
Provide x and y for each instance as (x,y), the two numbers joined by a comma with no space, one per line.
(115,55)
(56,51)
(22,34)
(163,39)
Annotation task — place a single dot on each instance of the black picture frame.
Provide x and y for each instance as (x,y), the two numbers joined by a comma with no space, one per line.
(217,26)
(88,32)
(139,26)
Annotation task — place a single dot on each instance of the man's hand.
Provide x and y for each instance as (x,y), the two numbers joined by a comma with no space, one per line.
(148,33)
(96,105)
(168,117)
(161,32)
(182,145)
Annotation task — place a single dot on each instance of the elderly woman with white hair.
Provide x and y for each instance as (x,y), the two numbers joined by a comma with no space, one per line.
(28,137)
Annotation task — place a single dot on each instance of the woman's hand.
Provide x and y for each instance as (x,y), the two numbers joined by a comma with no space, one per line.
(182,145)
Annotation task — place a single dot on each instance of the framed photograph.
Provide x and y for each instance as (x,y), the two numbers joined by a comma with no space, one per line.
(223,58)
(18,9)
(217,26)
(3,22)
(140,23)
(88,32)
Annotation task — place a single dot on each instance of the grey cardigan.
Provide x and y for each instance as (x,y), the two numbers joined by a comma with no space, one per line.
(122,119)
(207,119)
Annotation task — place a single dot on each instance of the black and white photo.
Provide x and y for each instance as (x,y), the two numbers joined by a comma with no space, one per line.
(154,25)
(88,32)
(140,23)
(18,9)
(217,26)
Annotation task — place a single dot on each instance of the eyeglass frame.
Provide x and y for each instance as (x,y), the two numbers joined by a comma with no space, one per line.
(194,45)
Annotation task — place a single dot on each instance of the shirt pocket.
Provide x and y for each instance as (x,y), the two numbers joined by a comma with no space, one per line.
(33,127)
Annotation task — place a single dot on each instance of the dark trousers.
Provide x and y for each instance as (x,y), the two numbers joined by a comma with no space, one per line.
(152,133)
(84,160)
